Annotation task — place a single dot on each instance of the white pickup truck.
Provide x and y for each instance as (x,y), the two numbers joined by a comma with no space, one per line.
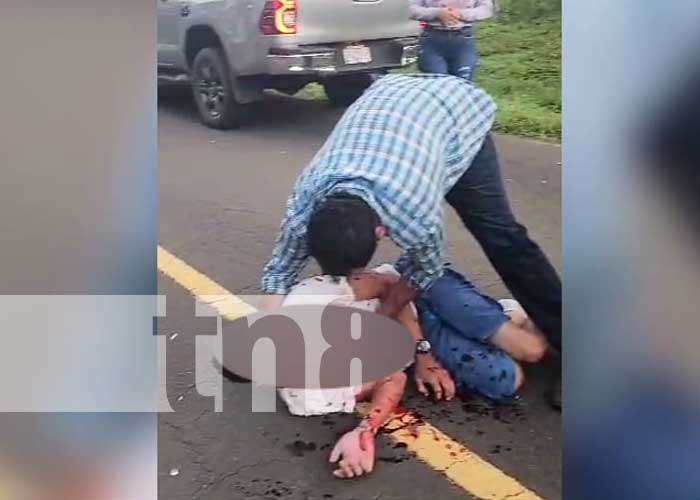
(232,50)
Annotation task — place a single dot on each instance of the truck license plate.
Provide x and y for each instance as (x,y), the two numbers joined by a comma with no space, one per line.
(357,54)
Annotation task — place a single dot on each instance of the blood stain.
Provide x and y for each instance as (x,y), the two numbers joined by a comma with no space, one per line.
(392,460)
(298,447)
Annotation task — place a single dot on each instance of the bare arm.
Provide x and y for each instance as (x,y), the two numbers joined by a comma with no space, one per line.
(421,266)
(420,12)
(408,318)
(371,285)
(354,452)
(395,293)
(397,297)
(386,396)
(429,373)
(483,10)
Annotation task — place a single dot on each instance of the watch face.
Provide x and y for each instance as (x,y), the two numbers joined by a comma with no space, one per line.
(423,347)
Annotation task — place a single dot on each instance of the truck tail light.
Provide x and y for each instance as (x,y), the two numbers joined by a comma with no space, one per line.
(279,17)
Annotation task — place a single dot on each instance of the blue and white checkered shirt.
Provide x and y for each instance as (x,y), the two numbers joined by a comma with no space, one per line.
(400,147)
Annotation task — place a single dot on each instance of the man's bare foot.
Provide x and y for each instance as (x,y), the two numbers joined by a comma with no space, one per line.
(515,312)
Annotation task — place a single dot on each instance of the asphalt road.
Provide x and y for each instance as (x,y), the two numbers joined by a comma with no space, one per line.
(222,195)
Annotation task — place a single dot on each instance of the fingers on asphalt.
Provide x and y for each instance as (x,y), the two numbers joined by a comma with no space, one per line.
(420,385)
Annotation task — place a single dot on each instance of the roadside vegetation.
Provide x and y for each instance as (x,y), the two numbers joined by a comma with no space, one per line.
(520,67)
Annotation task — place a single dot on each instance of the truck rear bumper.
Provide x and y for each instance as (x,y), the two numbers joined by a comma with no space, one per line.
(330,59)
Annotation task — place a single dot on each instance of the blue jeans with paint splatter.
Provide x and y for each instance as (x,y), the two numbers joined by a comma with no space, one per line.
(449,52)
(458,320)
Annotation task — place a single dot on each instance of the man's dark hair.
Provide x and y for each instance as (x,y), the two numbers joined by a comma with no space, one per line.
(341,234)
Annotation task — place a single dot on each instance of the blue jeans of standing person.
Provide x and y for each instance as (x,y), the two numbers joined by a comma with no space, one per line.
(452,52)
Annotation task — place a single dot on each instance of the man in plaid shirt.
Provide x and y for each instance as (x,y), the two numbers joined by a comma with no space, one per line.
(408,143)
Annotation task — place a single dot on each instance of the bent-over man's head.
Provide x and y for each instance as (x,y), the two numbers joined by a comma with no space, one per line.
(343,233)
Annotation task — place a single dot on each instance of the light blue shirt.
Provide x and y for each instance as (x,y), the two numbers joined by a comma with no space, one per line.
(401,147)
(469,11)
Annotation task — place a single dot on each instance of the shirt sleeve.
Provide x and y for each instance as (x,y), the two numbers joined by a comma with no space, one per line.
(424,264)
(482,10)
(420,12)
(288,259)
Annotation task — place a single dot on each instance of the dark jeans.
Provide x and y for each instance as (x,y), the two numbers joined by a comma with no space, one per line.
(480,199)
(449,52)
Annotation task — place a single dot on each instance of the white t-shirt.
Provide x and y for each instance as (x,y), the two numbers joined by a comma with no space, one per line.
(326,290)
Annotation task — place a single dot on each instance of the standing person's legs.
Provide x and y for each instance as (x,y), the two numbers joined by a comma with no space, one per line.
(431,53)
(465,55)
(480,199)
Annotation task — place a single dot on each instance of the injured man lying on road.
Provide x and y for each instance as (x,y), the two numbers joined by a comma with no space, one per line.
(465,341)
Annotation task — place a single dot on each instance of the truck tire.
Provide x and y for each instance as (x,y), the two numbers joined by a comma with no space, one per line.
(343,90)
(213,91)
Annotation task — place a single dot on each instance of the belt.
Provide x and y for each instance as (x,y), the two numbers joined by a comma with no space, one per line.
(430,27)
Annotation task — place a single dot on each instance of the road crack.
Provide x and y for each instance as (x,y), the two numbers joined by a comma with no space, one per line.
(228,475)
(514,495)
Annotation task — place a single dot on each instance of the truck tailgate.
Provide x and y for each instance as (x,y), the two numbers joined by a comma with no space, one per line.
(329,21)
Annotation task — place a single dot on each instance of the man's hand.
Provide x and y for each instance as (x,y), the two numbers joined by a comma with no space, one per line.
(449,17)
(428,372)
(355,451)
(457,14)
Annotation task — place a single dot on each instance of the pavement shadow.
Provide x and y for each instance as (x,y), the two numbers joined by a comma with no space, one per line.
(177,100)
(276,112)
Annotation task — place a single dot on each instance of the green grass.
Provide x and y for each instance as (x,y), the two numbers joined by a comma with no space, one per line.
(313,91)
(520,67)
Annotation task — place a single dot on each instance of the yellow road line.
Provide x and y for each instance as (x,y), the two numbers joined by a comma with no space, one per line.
(205,289)
(461,466)
(430,445)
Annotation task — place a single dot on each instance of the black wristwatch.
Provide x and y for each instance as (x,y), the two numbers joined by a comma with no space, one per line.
(423,347)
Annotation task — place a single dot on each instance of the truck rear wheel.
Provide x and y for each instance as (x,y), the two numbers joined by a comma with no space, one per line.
(213,92)
(345,89)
